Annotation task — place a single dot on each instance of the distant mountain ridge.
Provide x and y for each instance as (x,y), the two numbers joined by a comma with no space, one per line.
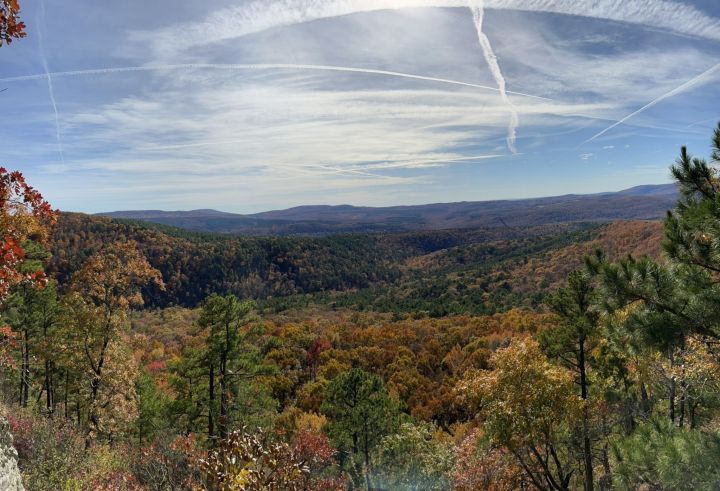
(647,202)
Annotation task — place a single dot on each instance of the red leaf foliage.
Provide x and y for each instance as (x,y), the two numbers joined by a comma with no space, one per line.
(24,215)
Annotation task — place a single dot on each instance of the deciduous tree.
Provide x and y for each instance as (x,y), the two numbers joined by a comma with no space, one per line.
(107,286)
(529,407)
(24,215)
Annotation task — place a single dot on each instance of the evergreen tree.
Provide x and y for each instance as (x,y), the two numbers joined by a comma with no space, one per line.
(571,342)
(362,413)
(662,304)
(32,313)
(221,381)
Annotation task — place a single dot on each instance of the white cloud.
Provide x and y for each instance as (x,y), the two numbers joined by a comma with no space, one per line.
(259,15)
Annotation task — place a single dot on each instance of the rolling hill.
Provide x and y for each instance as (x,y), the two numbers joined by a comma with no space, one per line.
(639,203)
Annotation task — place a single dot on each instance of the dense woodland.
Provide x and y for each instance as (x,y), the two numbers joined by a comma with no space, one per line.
(142,357)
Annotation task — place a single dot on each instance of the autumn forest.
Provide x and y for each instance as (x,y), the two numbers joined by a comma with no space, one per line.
(558,356)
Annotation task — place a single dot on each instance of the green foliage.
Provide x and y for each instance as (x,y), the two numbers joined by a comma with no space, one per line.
(369,270)
(361,413)
(414,458)
(52,457)
(153,407)
(664,457)
(188,380)
(679,298)
(221,381)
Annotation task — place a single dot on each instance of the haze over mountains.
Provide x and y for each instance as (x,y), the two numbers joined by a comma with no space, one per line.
(638,203)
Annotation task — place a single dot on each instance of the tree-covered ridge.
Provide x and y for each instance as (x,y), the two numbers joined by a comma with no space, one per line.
(195,265)
(477,271)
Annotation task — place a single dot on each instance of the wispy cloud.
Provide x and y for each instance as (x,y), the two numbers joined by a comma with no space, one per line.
(349,130)
(260,15)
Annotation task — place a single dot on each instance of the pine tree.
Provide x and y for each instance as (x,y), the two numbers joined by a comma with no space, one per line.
(663,304)
(362,413)
(571,342)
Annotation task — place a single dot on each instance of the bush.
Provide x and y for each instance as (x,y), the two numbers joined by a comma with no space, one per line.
(52,457)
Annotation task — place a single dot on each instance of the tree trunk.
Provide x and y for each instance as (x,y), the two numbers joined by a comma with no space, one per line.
(223,383)
(223,399)
(49,369)
(672,389)
(50,396)
(67,382)
(25,370)
(95,391)
(211,402)
(606,480)
(672,401)
(693,421)
(587,448)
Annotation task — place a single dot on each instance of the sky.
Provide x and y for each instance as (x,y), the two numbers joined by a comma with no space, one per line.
(253,105)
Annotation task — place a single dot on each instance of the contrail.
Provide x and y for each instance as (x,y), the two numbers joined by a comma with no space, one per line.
(47,75)
(652,103)
(254,66)
(478,13)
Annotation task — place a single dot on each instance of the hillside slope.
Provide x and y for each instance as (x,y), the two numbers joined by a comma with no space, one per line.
(639,203)
(485,269)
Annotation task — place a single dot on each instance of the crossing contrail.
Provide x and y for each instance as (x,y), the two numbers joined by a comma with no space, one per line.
(254,66)
(478,13)
(47,76)
(654,102)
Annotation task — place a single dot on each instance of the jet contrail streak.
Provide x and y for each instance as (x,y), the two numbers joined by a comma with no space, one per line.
(51,91)
(652,103)
(478,13)
(256,66)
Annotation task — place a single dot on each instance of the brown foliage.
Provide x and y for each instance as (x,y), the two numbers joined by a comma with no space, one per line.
(245,461)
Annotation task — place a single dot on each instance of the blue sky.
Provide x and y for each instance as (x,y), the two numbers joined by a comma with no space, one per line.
(250,105)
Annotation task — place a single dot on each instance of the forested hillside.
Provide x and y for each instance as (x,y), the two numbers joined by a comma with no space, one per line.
(439,272)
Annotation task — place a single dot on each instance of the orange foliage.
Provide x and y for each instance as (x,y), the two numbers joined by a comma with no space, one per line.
(24,215)
(617,240)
